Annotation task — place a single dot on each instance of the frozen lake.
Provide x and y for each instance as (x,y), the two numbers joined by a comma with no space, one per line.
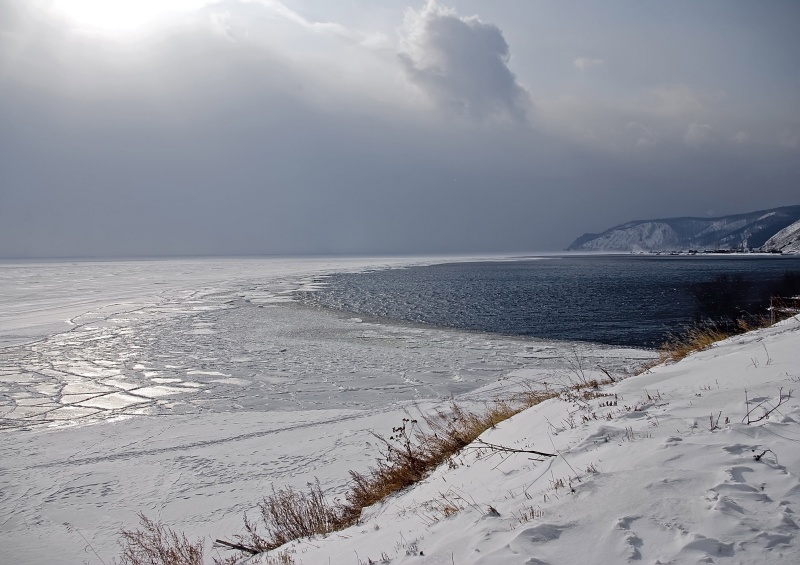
(184,388)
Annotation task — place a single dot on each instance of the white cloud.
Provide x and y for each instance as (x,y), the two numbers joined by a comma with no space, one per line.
(220,23)
(697,135)
(334,29)
(584,63)
(461,62)
(282,10)
(740,138)
(647,137)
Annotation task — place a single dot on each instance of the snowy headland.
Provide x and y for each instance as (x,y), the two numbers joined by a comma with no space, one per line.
(185,390)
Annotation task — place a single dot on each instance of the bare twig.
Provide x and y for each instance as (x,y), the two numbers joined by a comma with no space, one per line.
(714,425)
(758,456)
(71,528)
(607,374)
(765,415)
(502,448)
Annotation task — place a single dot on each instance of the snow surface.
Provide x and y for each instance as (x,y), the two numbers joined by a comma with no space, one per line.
(131,409)
(667,474)
(185,388)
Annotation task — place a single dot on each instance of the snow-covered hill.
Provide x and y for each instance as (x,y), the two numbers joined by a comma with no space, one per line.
(693,462)
(786,241)
(741,231)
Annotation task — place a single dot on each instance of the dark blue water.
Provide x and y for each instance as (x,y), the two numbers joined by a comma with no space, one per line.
(620,300)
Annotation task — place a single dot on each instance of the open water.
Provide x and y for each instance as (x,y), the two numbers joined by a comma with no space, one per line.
(629,300)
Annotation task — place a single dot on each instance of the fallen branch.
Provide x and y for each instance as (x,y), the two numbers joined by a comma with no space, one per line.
(485,444)
(607,374)
(237,546)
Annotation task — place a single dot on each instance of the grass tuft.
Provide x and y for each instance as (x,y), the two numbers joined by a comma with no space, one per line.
(703,335)
(692,339)
(155,544)
(288,514)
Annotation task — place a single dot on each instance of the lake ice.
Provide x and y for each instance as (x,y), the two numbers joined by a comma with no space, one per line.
(185,388)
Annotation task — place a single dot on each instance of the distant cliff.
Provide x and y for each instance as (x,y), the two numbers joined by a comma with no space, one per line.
(786,241)
(777,229)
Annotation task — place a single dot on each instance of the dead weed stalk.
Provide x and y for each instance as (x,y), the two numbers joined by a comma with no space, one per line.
(155,544)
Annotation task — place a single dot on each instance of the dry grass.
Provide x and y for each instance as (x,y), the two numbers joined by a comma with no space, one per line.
(407,456)
(411,453)
(695,338)
(155,544)
(444,506)
(280,558)
(701,336)
(289,514)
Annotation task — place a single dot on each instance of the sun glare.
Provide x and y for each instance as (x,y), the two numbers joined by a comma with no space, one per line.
(122,16)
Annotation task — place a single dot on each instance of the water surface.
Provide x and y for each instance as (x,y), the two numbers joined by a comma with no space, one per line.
(626,300)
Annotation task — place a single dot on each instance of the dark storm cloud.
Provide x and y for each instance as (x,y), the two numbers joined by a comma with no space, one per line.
(207,145)
(462,63)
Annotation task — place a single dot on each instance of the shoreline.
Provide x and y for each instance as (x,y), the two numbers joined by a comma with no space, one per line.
(199,460)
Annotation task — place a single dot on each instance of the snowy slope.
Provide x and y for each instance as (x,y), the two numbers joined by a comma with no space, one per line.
(667,474)
(786,241)
(747,231)
(644,236)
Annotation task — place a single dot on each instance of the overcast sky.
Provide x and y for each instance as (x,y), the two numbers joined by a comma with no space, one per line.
(161,127)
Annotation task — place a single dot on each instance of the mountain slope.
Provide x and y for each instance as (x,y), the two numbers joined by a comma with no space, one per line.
(786,241)
(740,231)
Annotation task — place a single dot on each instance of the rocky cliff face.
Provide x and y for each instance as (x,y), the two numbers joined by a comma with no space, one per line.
(740,231)
(786,241)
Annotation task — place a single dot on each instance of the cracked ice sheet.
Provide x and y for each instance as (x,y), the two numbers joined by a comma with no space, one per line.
(283,357)
(113,401)
(302,388)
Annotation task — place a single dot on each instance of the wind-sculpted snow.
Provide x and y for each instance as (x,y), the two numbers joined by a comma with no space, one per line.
(184,389)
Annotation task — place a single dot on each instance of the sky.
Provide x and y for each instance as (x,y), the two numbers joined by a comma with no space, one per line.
(254,127)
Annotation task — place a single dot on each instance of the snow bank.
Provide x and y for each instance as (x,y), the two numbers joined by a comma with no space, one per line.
(660,468)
